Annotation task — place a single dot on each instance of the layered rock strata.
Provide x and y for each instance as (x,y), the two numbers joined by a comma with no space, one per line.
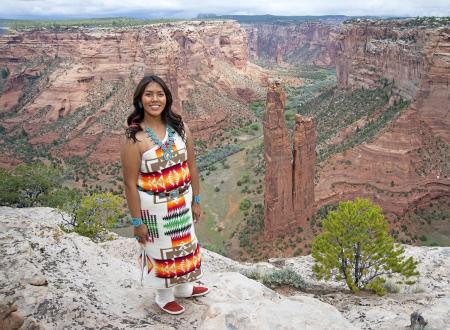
(407,163)
(289,178)
(81,80)
(305,42)
(304,160)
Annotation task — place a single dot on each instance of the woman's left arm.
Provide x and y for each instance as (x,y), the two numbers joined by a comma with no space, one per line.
(195,181)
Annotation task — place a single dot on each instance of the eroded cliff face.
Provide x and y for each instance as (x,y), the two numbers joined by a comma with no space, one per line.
(289,178)
(70,87)
(303,168)
(408,162)
(296,43)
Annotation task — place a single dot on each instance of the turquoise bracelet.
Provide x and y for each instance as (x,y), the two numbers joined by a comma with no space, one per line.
(197,199)
(136,222)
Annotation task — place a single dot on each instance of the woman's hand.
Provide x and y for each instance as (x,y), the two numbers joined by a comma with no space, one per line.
(142,232)
(196,212)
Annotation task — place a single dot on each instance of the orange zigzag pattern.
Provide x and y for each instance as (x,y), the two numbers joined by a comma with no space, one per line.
(178,266)
(166,180)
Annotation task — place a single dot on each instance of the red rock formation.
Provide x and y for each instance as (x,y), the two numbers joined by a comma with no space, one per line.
(289,179)
(407,161)
(278,210)
(305,42)
(304,161)
(279,56)
(88,76)
(369,52)
(415,59)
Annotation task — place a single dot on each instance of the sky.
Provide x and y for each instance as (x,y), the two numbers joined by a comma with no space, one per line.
(190,9)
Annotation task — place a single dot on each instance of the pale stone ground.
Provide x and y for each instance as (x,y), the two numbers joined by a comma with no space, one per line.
(65,281)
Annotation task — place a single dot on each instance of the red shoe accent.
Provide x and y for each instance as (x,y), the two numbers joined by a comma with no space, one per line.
(173,308)
(198,291)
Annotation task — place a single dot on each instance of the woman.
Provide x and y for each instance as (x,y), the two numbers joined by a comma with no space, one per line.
(162,189)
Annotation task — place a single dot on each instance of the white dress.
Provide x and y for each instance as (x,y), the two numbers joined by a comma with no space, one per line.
(173,255)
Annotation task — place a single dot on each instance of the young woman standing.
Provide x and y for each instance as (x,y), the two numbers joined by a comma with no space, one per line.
(163,194)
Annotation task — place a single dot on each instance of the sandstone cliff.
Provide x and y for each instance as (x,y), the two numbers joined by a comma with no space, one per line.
(57,280)
(68,88)
(407,163)
(295,43)
(289,177)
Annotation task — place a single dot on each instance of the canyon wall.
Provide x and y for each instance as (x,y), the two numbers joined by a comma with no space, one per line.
(407,163)
(289,178)
(416,59)
(69,87)
(295,43)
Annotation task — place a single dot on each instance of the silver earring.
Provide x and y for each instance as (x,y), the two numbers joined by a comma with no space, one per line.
(140,105)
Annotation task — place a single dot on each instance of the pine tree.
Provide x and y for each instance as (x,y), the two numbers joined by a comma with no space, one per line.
(355,246)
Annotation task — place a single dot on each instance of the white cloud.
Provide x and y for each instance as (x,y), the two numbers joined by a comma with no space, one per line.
(179,8)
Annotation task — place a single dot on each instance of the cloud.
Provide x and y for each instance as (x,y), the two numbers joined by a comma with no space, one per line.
(187,9)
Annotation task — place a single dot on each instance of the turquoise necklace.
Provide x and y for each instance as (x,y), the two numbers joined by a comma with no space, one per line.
(167,147)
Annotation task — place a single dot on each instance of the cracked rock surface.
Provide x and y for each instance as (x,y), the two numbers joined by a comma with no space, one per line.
(65,281)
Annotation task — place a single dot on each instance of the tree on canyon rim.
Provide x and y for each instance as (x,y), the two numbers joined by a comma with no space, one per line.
(355,247)
(92,216)
(36,184)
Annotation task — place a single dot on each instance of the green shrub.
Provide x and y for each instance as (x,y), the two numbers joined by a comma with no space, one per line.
(245,204)
(286,276)
(416,288)
(355,247)
(254,126)
(250,273)
(31,185)
(391,286)
(92,216)
(298,252)
(4,72)
(218,154)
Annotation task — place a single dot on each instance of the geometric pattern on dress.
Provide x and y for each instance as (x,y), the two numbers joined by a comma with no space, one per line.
(179,262)
(178,267)
(181,239)
(178,221)
(150,221)
(179,251)
(159,163)
(194,275)
(166,180)
(176,204)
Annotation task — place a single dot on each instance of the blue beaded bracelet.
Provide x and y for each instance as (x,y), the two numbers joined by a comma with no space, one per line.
(197,199)
(136,222)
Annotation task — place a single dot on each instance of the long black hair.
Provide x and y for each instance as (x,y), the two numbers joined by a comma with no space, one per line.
(137,116)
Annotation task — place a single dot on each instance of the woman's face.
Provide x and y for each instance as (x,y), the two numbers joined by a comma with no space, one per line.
(153,99)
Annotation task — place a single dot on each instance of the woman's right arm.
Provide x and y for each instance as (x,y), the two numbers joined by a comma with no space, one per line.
(131,163)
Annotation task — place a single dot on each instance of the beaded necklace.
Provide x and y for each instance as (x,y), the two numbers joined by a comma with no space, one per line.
(166,147)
